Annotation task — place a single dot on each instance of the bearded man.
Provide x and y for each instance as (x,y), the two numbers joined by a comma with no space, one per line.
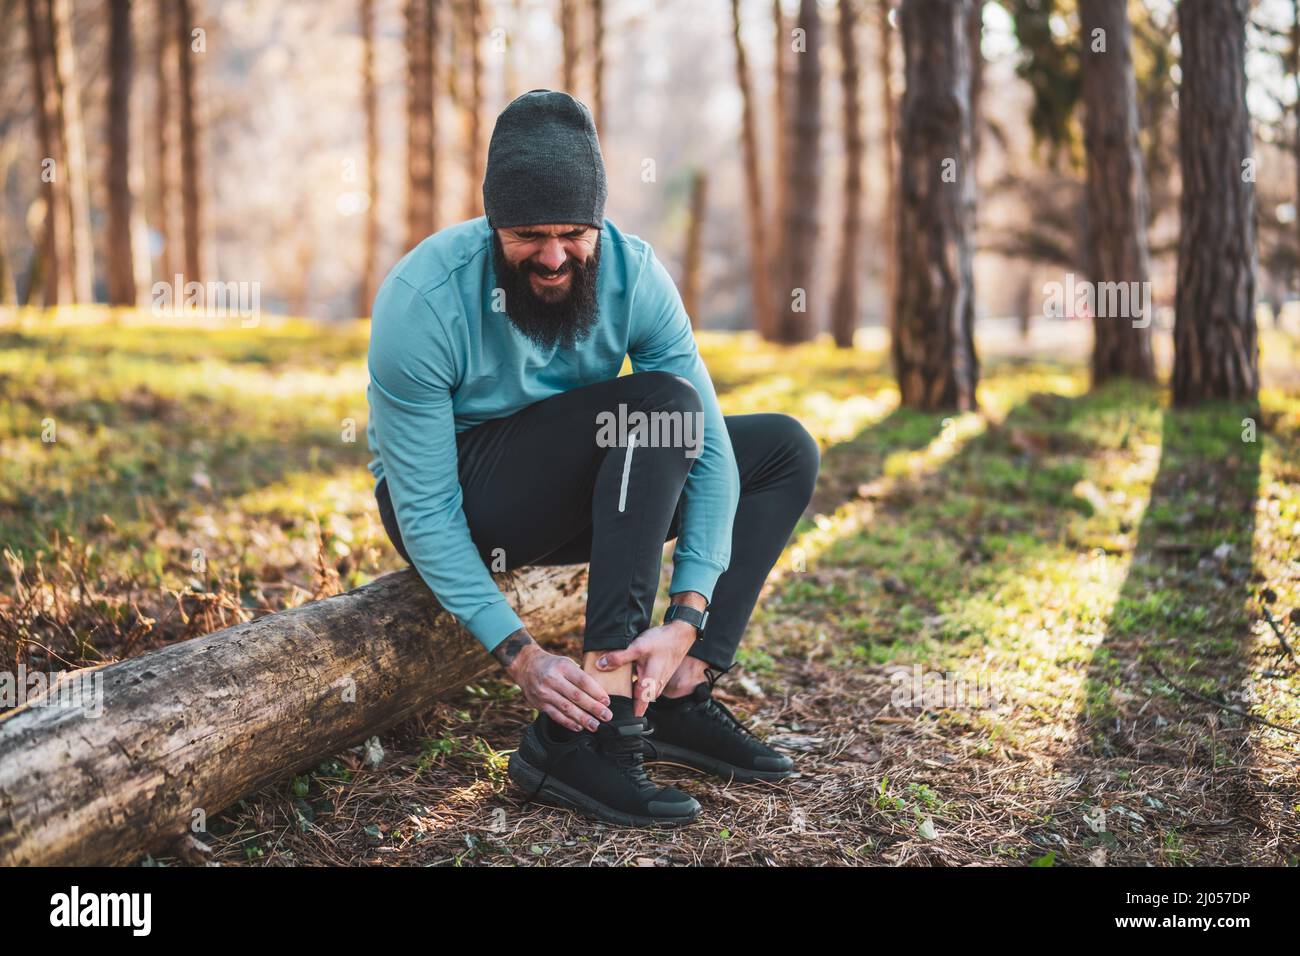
(494,360)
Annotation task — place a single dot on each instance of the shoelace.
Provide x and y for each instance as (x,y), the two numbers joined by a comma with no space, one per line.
(627,754)
(719,711)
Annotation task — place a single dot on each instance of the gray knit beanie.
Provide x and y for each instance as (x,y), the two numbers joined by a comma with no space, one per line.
(544,164)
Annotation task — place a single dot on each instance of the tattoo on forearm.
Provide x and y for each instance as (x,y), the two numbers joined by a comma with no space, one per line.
(509,649)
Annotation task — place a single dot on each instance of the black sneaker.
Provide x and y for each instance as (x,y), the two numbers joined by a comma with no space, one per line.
(599,774)
(701,732)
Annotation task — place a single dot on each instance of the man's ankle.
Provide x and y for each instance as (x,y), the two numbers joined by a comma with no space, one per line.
(614,682)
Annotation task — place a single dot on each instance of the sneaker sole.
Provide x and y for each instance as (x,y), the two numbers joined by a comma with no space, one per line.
(538,783)
(682,756)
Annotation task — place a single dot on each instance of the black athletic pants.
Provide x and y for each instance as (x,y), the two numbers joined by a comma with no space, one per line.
(538,486)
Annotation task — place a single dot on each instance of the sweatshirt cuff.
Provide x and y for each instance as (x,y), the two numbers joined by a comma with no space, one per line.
(493,624)
(695,574)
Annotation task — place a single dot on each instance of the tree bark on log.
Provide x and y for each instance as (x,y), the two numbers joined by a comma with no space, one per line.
(185,731)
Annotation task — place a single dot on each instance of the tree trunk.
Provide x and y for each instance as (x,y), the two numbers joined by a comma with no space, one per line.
(844,307)
(473,113)
(192,206)
(804,183)
(421,127)
(8,289)
(453,67)
(569,38)
(1295,112)
(166,136)
(36,267)
(974,41)
(759,281)
(509,65)
(889,110)
(8,286)
(1026,300)
(1116,195)
(370,105)
(1215,350)
(72,135)
(775,248)
(598,62)
(934,343)
(694,246)
(55,259)
(185,731)
(1157,166)
(124,286)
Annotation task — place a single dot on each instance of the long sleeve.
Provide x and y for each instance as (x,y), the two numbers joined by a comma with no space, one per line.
(662,340)
(412,371)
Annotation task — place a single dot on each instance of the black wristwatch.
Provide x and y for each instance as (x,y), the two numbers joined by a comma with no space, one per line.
(684,612)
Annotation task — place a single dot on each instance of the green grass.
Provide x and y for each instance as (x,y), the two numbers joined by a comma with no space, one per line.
(1067,542)
(1084,535)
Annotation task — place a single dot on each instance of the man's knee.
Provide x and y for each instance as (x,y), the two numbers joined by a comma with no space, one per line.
(801,450)
(665,391)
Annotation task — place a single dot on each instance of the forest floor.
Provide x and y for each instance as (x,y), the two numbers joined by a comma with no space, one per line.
(1046,633)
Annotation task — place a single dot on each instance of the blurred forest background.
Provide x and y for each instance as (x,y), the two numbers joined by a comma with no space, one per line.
(866,205)
(306,146)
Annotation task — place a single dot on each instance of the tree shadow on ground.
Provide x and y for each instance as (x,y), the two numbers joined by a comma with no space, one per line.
(848,465)
(1160,752)
(985,567)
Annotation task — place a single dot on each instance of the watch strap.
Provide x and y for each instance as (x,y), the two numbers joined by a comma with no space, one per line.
(684,612)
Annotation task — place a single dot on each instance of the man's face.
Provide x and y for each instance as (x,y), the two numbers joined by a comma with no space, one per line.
(548,254)
(548,274)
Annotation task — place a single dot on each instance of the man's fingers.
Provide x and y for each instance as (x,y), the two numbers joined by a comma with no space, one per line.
(587,684)
(647,686)
(569,715)
(592,706)
(570,688)
(649,682)
(612,660)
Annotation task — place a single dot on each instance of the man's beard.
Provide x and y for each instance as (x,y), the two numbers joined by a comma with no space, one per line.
(564,322)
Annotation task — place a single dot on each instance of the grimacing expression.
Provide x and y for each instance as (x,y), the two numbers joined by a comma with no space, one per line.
(548,254)
(548,274)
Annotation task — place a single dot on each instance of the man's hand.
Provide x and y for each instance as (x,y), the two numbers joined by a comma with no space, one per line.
(656,654)
(553,683)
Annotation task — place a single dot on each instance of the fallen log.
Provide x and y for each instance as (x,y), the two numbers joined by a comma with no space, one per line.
(186,731)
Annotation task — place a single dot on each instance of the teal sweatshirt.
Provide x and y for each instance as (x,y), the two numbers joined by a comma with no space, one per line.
(441,361)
